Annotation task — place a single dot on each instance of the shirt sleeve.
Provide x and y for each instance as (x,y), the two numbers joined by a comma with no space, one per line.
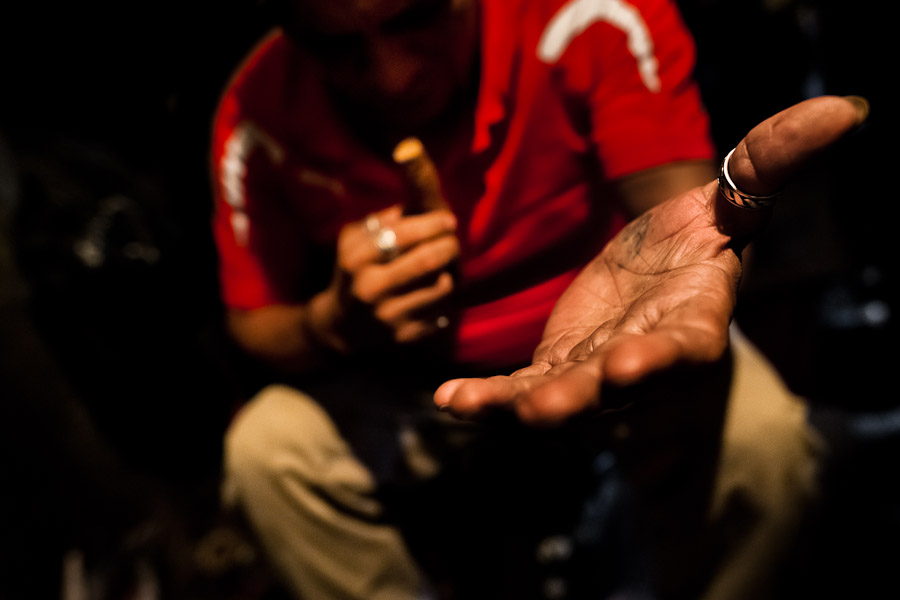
(634,61)
(255,233)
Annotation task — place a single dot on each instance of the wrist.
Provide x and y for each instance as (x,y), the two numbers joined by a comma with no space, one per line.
(321,325)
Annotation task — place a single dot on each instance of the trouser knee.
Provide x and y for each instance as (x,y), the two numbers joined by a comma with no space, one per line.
(282,437)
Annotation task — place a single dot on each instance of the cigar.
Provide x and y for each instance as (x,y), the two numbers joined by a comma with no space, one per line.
(421,175)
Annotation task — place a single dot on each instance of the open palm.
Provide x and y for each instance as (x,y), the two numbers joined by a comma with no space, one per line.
(662,292)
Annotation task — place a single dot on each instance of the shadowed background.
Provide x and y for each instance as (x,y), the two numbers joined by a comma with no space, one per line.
(117,381)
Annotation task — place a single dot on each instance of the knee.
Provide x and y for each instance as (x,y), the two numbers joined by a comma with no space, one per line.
(767,425)
(251,442)
(770,453)
(772,448)
(771,460)
(282,442)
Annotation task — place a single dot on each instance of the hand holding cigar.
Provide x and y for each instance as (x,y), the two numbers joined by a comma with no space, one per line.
(426,196)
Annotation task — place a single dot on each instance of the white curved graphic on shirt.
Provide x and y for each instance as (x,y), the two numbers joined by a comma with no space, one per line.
(577,15)
(244,139)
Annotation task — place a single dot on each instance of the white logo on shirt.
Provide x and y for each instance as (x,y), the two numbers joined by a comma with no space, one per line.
(577,15)
(244,139)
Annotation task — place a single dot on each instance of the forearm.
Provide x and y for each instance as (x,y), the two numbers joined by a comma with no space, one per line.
(291,337)
(643,190)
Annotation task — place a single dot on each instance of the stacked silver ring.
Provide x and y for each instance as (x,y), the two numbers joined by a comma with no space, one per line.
(384,238)
(742,199)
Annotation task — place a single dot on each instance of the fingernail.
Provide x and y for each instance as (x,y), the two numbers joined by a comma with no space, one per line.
(862,107)
(443,407)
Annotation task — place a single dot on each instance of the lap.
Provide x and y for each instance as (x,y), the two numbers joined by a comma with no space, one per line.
(703,469)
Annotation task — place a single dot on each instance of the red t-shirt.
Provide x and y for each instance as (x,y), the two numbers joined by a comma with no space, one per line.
(571,94)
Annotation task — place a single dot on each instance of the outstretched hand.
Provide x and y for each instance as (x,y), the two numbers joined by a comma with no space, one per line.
(662,292)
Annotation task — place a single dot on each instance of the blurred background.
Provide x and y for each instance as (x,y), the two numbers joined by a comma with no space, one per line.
(116,379)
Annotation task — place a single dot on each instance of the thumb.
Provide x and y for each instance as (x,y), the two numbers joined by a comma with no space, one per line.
(776,149)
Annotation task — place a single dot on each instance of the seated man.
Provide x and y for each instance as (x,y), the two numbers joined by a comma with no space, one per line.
(551,124)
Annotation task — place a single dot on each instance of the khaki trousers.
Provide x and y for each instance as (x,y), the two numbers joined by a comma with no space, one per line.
(720,489)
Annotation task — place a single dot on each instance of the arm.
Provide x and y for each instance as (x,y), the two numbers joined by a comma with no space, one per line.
(662,292)
(645,189)
(282,334)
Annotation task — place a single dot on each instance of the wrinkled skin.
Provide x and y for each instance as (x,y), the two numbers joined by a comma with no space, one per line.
(662,292)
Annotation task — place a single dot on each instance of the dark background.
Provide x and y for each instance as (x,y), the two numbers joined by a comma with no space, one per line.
(116,380)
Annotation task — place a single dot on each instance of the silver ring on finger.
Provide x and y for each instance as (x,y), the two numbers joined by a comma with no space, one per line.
(735,196)
(385,239)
